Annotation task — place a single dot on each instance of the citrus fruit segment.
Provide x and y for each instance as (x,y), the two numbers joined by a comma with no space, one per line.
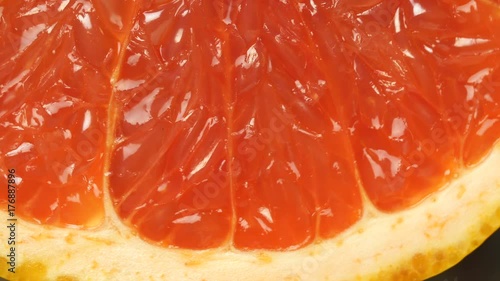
(171,130)
(295,173)
(54,91)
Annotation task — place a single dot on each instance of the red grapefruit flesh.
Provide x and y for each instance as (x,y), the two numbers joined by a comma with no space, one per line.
(257,124)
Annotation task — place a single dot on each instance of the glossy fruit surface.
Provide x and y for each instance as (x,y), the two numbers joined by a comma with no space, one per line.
(243,124)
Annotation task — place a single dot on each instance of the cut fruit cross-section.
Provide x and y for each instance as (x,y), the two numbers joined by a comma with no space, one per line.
(274,139)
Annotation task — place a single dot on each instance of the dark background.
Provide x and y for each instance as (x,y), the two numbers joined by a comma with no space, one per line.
(481,265)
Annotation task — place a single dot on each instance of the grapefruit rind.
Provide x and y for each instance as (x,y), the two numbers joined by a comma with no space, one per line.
(409,245)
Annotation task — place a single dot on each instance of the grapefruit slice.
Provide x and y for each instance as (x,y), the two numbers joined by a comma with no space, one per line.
(272,140)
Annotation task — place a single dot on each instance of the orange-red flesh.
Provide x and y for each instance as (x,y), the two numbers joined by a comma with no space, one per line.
(260,124)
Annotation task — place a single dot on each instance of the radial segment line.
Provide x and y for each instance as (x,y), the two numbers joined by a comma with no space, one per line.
(113,116)
(334,89)
(229,111)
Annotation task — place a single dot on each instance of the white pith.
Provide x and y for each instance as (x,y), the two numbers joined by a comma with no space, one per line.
(445,227)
